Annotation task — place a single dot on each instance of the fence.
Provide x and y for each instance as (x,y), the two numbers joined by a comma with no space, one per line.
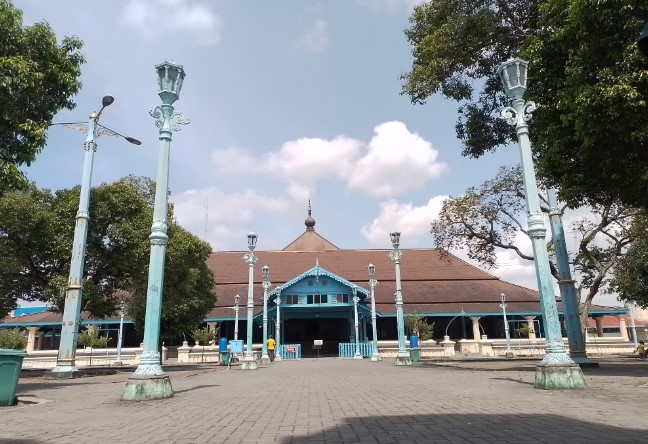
(348,349)
(290,351)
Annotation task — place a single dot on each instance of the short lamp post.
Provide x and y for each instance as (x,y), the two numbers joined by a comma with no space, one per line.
(248,362)
(356,299)
(265,359)
(278,327)
(149,380)
(120,335)
(509,353)
(65,362)
(402,358)
(375,356)
(557,370)
(237,301)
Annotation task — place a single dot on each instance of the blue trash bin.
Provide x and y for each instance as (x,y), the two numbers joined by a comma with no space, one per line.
(414,342)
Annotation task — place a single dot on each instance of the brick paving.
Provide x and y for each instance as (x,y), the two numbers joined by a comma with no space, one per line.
(338,401)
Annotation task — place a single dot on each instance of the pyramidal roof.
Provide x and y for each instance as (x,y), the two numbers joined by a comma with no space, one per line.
(310,240)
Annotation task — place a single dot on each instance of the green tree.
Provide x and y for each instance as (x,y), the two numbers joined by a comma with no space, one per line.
(585,73)
(36,233)
(490,218)
(631,275)
(417,325)
(38,77)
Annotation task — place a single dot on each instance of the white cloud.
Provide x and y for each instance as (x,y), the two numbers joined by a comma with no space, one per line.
(155,17)
(397,160)
(226,217)
(306,160)
(389,6)
(315,38)
(413,222)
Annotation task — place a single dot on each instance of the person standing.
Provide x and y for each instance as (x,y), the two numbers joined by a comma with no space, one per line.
(271,348)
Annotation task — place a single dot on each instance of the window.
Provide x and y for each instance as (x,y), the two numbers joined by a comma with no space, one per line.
(292,299)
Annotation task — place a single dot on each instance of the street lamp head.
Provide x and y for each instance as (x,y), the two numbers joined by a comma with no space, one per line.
(170,77)
(252,240)
(133,140)
(642,41)
(395,238)
(371,269)
(265,272)
(237,299)
(513,73)
(107,101)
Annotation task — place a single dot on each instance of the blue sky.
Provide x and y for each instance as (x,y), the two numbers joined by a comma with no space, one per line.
(288,101)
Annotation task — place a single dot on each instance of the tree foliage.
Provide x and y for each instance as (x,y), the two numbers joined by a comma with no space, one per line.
(585,73)
(36,233)
(491,218)
(38,77)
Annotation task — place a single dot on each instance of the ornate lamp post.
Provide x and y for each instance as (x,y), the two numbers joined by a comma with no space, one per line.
(149,380)
(237,301)
(356,299)
(556,370)
(402,358)
(278,327)
(509,353)
(567,289)
(265,359)
(248,362)
(375,356)
(65,362)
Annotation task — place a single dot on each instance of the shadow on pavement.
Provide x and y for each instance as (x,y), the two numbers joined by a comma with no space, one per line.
(471,428)
(197,387)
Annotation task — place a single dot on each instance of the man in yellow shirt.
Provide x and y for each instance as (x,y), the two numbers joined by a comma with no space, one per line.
(271,348)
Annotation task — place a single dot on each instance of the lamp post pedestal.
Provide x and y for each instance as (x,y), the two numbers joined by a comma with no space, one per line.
(557,370)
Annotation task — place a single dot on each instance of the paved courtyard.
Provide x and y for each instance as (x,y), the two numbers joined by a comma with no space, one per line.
(331,400)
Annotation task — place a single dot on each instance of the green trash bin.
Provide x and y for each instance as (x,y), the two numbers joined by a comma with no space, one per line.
(10,366)
(416,354)
(225,357)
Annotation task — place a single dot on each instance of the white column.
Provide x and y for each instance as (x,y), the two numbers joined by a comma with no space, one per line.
(31,338)
(532,334)
(623,328)
(599,326)
(475,327)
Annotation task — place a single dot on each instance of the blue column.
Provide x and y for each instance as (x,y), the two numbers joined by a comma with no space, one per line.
(568,294)
(65,365)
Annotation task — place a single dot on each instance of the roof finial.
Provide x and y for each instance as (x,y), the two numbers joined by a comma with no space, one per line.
(310,222)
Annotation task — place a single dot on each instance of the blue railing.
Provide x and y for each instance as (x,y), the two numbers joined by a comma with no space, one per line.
(348,349)
(290,351)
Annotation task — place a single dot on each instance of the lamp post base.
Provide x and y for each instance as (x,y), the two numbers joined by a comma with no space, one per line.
(582,360)
(559,377)
(249,363)
(403,360)
(147,388)
(64,371)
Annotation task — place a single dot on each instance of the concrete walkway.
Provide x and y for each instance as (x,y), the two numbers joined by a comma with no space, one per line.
(335,401)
